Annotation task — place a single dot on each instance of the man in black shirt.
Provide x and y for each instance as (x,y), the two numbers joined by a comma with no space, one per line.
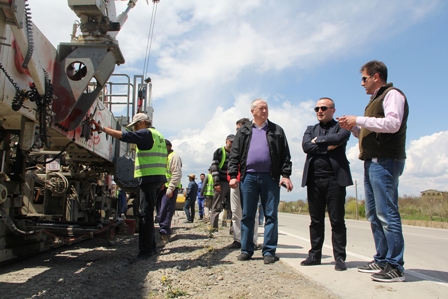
(326,175)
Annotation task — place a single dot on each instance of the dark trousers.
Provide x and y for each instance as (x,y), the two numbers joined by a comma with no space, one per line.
(217,203)
(189,208)
(160,194)
(167,210)
(148,196)
(326,193)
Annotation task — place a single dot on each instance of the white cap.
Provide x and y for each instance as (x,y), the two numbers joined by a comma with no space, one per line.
(138,117)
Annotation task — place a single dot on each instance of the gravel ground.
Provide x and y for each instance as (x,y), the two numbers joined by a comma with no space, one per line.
(194,264)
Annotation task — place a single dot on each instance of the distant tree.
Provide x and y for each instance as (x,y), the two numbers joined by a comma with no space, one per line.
(431,206)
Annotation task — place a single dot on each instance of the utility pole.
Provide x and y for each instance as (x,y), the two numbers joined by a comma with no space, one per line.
(356,196)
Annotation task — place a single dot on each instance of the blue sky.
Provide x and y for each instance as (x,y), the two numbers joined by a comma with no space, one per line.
(210,59)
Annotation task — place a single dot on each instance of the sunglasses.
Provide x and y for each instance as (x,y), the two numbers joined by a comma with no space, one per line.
(323,108)
(364,79)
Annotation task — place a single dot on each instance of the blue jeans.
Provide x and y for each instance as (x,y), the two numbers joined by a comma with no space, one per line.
(189,208)
(201,206)
(381,187)
(254,187)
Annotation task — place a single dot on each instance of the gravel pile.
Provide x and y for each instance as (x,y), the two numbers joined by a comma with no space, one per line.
(194,264)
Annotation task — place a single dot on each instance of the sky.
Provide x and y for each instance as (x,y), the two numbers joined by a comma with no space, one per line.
(210,59)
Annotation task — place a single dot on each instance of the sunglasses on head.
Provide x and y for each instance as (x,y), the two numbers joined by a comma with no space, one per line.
(323,108)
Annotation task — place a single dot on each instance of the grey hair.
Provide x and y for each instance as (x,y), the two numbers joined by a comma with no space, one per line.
(253,106)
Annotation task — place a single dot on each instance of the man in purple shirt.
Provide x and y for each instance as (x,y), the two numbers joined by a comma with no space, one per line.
(382,139)
(261,152)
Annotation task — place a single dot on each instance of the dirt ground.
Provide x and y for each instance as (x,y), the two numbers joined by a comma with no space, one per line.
(194,264)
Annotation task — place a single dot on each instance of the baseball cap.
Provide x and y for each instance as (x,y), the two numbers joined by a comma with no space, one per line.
(138,117)
(230,137)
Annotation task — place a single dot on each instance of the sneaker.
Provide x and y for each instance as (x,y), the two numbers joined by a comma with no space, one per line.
(235,245)
(269,259)
(340,265)
(310,261)
(244,257)
(371,267)
(389,274)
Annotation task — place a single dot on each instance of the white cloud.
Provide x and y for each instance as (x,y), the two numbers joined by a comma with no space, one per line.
(427,164)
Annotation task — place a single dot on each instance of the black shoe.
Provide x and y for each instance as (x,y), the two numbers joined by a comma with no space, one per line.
(310,261)
(340,265)
(244,257)
(188,221)
(235,245)
(371,267)
(389,274)
(269,259)
(201,217)
(142,256)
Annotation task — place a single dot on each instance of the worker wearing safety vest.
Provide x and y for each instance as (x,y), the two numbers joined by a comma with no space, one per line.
(150,169)
(221,195)
(208,191)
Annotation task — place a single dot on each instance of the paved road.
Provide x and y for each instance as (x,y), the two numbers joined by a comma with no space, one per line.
(426,262)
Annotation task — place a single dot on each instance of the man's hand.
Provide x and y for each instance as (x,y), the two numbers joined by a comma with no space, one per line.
(97,127)
(169,193)
(233,183)
(347,122)
(286,182)
(331,147)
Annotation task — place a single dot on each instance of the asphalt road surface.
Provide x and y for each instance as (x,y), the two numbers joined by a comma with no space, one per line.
(426,262)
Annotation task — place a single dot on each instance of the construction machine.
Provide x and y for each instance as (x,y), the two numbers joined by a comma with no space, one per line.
(56,174)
